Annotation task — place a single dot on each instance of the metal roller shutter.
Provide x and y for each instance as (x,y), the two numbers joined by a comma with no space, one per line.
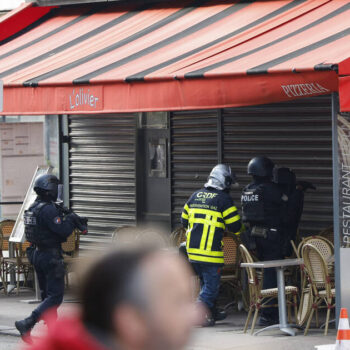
(102,172)
(297,135)
(194,151)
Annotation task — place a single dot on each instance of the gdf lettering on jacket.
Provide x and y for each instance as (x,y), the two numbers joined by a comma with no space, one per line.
(206,195)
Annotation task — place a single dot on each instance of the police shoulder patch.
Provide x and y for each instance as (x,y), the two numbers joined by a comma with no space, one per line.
(57,220)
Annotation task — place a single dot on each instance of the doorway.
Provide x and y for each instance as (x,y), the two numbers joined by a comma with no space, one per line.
(153,197)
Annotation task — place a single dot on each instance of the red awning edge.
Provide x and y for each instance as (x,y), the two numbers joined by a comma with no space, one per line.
(344,93)
(20,18)
(184,94)
(344,67)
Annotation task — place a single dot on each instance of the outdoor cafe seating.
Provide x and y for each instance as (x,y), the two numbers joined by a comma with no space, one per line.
(17,263)
(309,285)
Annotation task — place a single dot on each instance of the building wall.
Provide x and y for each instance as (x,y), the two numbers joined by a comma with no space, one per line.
(21,152)
(102,158)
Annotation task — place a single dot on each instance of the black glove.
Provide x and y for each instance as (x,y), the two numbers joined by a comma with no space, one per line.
(64,210)
(305,185)
(79,222)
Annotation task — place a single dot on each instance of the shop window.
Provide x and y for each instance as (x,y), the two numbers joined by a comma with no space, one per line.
(157,159)
(153,120)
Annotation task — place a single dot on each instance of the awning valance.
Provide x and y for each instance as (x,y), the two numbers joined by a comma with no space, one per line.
(195,54)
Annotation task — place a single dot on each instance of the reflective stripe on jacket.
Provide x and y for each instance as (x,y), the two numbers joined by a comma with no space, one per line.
(206,215)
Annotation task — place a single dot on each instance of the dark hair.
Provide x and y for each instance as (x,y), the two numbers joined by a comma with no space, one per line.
(109,283)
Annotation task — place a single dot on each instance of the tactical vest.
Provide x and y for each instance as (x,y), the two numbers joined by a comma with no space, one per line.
(33,231)
(253,210)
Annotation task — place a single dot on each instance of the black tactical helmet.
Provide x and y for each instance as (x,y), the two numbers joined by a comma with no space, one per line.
(47,184)
(261,166)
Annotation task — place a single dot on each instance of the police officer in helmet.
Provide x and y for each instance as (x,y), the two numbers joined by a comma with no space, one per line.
(264,213)
(46,227)
(206,215)
(295,190)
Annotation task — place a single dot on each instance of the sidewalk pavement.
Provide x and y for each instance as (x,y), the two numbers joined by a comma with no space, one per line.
(225,335)
(229,334)
(13,308)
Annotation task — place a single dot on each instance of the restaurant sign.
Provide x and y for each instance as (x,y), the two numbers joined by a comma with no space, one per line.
(344,178)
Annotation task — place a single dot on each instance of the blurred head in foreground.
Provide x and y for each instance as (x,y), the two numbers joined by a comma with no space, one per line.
(137,297)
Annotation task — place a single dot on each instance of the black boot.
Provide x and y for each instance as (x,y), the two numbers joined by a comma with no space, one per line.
(24,327)
(209,320)
(218,314)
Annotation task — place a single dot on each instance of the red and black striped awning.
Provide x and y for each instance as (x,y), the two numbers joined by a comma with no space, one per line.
(192,55)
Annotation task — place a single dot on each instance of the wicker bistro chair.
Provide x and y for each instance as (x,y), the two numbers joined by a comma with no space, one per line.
(325,246)
(230,272)
(23,266)
(326,249)
(320,282)
(2,277)
(70,250)
(19,263)
(6,227)
(178,236)
(259,297)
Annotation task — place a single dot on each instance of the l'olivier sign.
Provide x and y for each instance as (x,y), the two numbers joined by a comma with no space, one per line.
(85,98)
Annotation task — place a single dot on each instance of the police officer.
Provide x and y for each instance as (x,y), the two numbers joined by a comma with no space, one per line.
(295,190)
(46,227)
(206,215)
(264,213)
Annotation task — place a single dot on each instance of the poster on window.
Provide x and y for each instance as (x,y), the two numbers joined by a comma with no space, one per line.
(157,161)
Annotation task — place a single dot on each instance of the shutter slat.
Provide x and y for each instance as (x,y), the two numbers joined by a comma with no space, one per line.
(102,173)
(193,154)
(297,135)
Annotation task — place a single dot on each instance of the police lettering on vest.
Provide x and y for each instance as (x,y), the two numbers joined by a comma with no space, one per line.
(253,205)
(250,197)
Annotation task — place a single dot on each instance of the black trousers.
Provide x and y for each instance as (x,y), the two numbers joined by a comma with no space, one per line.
(270,248)
(50,271)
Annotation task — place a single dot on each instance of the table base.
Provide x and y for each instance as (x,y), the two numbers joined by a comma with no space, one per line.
(288,328)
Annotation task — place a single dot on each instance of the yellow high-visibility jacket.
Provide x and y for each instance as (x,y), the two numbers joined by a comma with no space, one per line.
(206,215)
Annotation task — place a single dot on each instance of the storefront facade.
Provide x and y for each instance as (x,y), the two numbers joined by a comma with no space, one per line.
(126,169)
(151,97)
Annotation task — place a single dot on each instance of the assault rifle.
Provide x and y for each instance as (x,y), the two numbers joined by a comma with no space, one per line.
(79,221)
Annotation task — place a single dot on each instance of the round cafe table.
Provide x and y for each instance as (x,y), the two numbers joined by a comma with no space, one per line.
(279,265)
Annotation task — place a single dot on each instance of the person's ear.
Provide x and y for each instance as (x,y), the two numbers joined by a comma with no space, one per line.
(130,326)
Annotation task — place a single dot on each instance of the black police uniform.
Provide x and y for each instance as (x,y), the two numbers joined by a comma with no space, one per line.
(286,180)
(264,210)
(47,259)
(295,210)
